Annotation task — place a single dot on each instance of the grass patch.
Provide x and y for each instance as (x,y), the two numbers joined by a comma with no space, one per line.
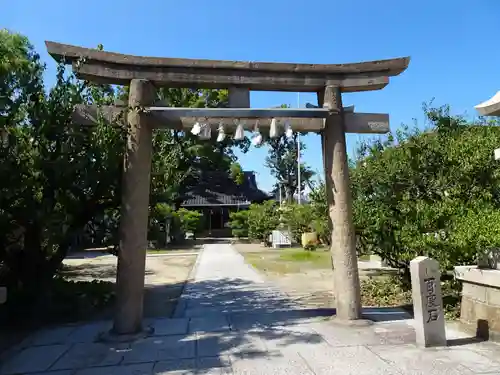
(186,245)
(163,251)
(270,264)
(288,260)
(306,256)
(171,250)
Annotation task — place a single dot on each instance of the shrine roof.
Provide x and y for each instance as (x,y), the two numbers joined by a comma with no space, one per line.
(218,189)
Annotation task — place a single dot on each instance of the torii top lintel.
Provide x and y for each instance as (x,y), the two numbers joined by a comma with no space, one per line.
(115,68)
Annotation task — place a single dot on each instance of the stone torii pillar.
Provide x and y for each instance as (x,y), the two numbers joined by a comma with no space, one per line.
(338,192)
(134,211)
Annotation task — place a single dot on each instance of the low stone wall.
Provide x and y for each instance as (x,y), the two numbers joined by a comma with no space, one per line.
(480,310)
(376,258)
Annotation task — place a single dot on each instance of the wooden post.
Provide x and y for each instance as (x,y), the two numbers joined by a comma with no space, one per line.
(343,247)
(134,212)
(239,97)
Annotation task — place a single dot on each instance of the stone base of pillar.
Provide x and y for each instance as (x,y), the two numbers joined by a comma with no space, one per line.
(112,337)
(351,323)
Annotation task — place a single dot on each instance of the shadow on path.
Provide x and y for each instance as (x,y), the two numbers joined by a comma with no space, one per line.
(231,321)
(219,323)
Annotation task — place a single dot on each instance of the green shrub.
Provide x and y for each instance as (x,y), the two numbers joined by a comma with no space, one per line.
(474,233)
(262,220)
(159,216)
(239,223)
(298,217)
(80,297)
(320,220)
(384,292)
(388,291)
(190,220)
(62,301)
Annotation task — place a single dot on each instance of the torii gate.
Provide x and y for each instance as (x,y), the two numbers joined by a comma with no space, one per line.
(331,120)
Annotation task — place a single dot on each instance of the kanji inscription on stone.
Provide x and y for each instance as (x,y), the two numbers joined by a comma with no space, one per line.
(427,302)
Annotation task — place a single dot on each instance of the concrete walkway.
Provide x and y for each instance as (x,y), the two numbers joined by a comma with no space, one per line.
(230,321)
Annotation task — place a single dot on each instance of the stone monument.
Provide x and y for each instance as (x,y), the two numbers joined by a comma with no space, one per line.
(427,302)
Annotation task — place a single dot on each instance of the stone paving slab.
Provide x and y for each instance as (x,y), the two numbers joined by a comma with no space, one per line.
(167,326)
(291,339)
(283,317)
(337,335)
(139,369)
(50,336)
(411,360)
(33,359)
(206,366)
(349,360)
(89,332)
(83,355)
(239,345)
(161,348)
(215,323)
(289,365)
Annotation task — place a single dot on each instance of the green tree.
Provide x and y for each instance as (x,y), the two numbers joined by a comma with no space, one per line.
(239,223)
(190,220)
(320,221)
(282,162)
(298,218)
(412,193)
(236,173)
(61,183)
(55,177)
(262,220)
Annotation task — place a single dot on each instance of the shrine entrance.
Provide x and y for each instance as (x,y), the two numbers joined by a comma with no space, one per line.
(330,119)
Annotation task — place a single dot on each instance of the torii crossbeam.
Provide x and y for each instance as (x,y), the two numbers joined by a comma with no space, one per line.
(331,120)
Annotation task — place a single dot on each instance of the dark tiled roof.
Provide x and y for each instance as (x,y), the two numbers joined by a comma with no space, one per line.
(217,188)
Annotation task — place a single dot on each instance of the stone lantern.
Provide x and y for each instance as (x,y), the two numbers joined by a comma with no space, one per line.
(480,307)
(490,107)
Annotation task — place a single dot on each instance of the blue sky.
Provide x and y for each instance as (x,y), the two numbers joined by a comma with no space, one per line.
(453,45)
